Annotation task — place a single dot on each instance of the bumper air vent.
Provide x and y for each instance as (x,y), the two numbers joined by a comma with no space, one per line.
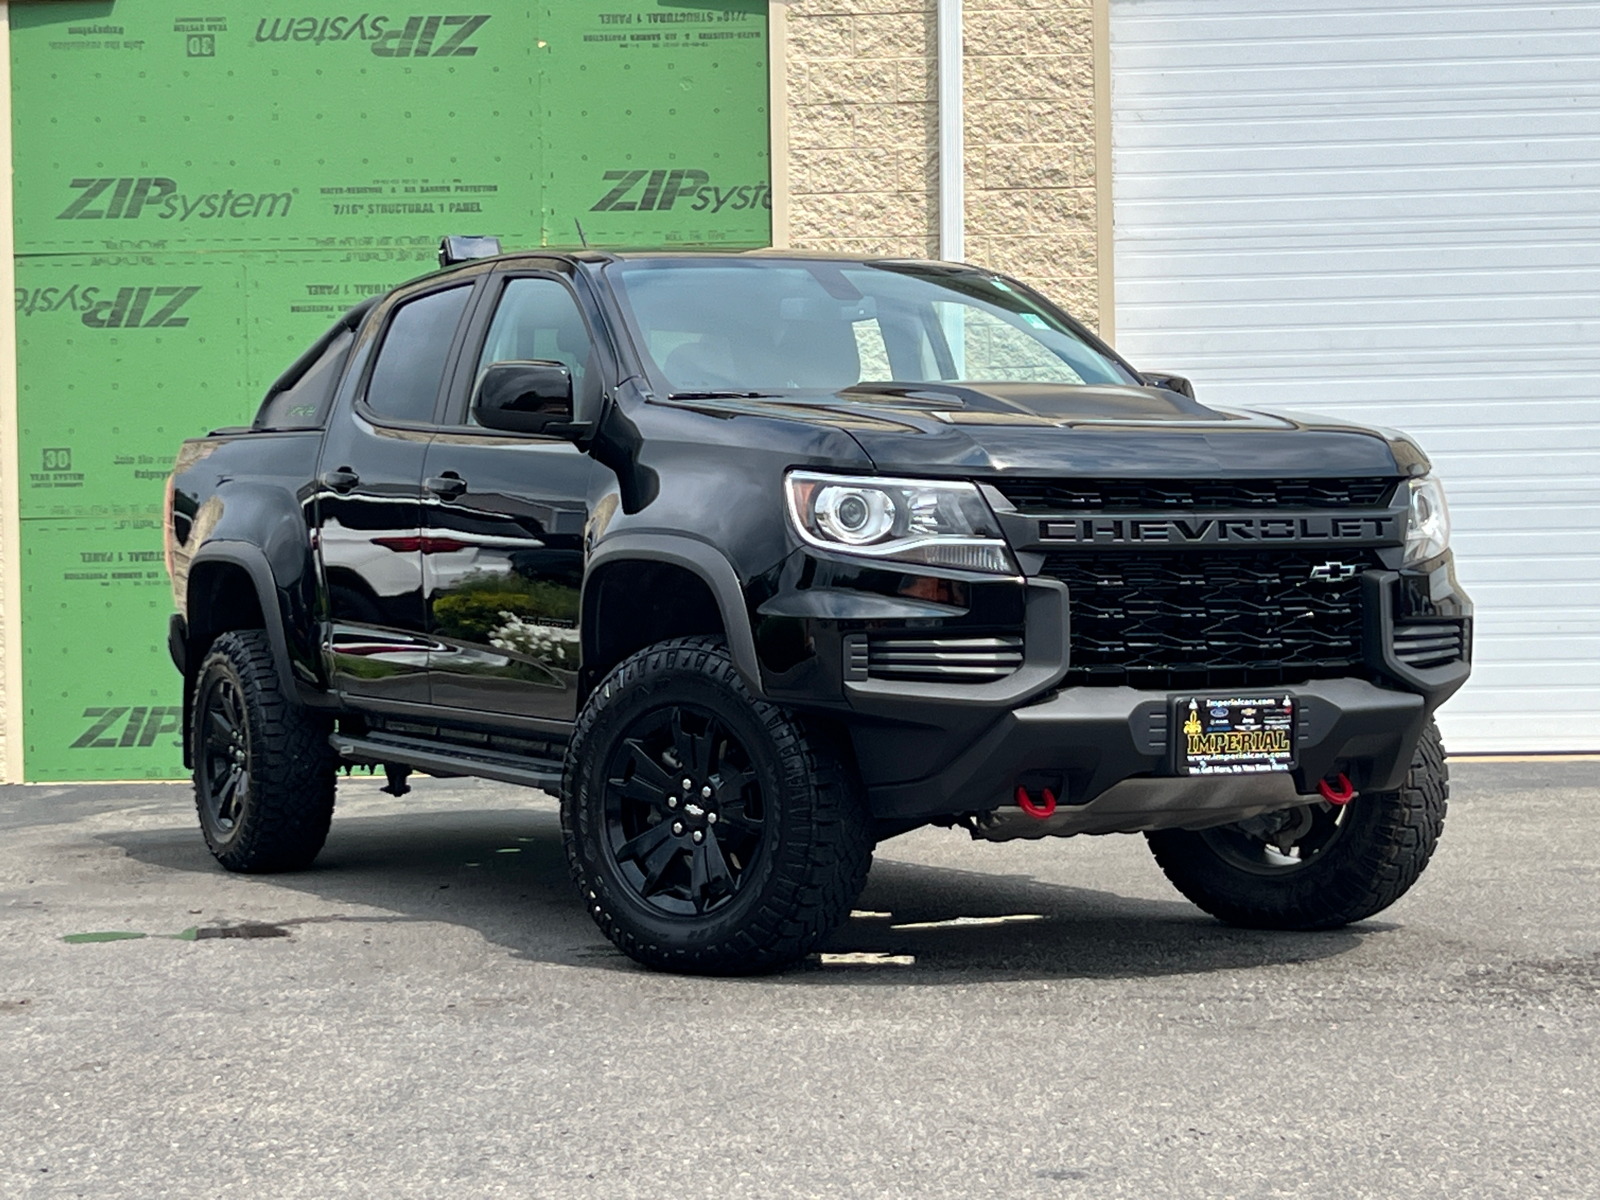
(971,659)
(1044,496)
(1429,645)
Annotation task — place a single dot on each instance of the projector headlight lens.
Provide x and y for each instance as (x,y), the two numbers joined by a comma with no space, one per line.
(928,522)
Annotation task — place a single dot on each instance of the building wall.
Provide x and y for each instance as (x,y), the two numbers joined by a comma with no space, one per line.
(863,135)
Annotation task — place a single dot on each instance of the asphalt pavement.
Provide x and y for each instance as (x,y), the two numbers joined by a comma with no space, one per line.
(429,1012)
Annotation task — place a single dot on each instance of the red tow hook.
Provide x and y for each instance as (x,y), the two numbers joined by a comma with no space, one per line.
(1037,811)
(1341,793)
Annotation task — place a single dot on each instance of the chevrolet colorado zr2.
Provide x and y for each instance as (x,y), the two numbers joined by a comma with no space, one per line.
(758,559)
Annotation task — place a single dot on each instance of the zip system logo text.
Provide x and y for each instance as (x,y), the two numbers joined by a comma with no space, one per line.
(128,198)
(141,308)
(130,308)
(418,37)
(660,191)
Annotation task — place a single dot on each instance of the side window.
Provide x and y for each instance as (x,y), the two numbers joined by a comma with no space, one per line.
(537,319)
(304,403)
(405,379)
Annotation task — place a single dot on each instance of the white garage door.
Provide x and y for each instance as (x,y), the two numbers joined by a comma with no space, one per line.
(1391,212)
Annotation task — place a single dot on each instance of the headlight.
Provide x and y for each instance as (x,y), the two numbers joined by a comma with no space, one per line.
(932,523)
(1428,524)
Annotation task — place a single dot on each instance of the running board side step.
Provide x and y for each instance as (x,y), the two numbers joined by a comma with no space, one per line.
(543,774)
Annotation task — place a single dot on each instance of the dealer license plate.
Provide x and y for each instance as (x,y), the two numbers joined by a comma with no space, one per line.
(1233,734)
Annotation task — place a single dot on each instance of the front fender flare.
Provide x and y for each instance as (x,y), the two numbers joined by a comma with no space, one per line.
(711,566)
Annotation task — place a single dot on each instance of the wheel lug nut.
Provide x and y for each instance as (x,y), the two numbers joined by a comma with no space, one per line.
(677,827)
(698,836)
(688,785)
(672,802)
(711,818)
(706,791)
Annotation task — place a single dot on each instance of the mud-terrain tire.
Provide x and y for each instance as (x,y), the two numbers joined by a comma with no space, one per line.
(1378,848)
(744,870)
(264,774)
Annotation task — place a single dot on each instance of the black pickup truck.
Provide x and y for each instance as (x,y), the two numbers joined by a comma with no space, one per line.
(759,559)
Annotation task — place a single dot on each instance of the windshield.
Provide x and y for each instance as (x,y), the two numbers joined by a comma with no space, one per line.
(763,327)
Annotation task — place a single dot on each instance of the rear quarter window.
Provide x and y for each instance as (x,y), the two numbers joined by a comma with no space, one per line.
(304,403)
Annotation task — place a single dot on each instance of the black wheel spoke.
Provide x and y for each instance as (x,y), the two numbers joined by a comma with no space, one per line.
(735,815)
(645,767)
(228,795)
(730,782)
(718,878)
(640,789)
(655,865)
(684,743)
(708,748)
(223,728)
(641,847)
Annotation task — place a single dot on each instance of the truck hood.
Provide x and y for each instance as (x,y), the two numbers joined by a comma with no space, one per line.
(1042,429)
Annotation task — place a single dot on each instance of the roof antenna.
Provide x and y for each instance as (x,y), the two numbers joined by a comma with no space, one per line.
(581,238)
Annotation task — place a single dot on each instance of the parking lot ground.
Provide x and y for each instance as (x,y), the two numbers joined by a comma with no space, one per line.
(429,1012)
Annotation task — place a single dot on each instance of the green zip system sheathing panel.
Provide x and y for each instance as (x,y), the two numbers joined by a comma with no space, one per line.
(198,197)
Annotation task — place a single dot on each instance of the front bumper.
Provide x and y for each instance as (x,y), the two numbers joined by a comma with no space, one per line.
(930,750)
(1084,742)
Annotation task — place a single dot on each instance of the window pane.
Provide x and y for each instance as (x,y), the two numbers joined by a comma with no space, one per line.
(777,326)
(538,320)
(304,404)
(405,382)
(872,353)
(987,347)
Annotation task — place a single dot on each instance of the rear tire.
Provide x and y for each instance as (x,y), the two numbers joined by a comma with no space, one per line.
(1348,864)
(264,775)
(743,870)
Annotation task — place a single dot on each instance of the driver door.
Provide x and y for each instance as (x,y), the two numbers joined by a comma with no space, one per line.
(503,519)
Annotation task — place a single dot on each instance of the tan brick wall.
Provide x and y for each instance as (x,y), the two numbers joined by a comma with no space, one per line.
(863,135)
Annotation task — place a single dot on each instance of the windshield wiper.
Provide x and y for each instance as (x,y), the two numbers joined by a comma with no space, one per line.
(721,396)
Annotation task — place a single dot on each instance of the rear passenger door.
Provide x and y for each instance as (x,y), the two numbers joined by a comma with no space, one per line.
(369,499)
(504,514)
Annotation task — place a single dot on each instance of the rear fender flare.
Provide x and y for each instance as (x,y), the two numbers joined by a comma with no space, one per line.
(253,561)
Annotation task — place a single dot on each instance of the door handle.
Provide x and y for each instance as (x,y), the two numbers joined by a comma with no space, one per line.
(447,486)
(341,480)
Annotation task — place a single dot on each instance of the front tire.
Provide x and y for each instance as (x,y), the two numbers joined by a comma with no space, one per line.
(1317,866)
(264,775)
(708,831)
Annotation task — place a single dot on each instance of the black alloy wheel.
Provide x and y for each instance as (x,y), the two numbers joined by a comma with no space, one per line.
(1281,842)
(685,818)
(708,830)
(222,772)
(264,773)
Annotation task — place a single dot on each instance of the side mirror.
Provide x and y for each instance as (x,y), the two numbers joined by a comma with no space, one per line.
(1173,383)
(525,397)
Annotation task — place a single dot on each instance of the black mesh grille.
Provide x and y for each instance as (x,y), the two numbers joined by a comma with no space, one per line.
(1208,618)
(1195,495)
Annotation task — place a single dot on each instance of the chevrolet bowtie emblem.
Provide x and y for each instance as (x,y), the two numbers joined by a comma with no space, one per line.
(1334,572)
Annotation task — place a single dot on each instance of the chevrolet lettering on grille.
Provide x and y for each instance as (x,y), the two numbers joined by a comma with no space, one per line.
(1368,529)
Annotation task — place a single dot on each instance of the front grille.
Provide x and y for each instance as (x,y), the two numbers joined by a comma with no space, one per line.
(1207,618)
(1043,496)
(949,659)
(1429,645)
